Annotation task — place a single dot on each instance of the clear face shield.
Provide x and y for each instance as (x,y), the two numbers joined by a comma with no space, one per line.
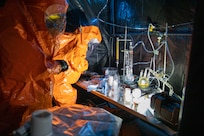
(55,19)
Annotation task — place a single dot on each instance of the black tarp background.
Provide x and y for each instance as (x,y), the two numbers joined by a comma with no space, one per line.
(113,16)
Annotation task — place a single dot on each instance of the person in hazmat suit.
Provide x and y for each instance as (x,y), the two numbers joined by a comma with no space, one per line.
(38,60)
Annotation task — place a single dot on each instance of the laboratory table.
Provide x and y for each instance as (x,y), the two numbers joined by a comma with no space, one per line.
(139,113)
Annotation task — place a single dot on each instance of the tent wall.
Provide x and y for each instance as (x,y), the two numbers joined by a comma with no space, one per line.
(114,16)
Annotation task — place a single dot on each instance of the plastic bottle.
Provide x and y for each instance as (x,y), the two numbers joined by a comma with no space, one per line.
(128,99)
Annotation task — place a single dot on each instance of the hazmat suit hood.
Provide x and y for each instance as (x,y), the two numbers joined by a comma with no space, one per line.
(37,9)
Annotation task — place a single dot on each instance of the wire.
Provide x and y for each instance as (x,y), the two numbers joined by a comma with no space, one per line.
(144,63)
(173,65)
(112,24)
(152,45)
(143,45)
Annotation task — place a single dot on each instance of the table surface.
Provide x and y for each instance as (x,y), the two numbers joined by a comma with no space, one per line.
(140,111)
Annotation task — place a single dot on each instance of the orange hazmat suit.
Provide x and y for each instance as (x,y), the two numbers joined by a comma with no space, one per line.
(26,47)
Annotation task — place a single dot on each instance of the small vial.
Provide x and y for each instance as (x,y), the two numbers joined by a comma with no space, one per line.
(128,100)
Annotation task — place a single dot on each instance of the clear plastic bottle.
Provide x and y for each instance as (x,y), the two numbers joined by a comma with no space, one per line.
(113,83)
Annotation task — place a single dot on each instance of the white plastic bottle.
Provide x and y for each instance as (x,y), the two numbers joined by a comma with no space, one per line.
(128,99)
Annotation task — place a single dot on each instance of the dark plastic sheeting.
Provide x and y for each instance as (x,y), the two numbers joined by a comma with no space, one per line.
(112,16)
(134,13)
